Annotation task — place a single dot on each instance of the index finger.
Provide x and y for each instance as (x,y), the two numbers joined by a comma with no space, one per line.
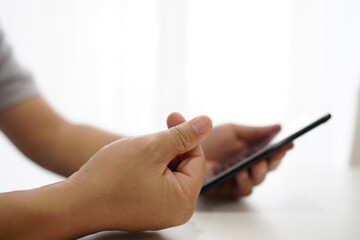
(274,159)
(192,163)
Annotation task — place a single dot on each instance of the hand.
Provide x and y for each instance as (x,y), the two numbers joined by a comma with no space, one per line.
(128,185)
(229,139)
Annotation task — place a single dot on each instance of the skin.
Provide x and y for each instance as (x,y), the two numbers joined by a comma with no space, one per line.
(33,124)
(229,139)
(170,163)
(127,185)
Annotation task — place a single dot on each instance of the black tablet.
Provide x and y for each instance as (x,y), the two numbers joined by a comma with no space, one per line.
(251,155)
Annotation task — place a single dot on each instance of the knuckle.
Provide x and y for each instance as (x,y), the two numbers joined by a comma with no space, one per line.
(150,145)
(182,139)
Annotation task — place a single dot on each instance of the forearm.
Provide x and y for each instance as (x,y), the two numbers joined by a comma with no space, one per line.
(49,140)
(51,212)
(72,146)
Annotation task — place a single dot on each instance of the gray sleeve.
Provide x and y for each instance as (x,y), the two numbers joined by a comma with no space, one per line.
(16,84)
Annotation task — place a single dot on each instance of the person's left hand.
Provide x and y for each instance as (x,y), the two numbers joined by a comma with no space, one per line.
(229,139)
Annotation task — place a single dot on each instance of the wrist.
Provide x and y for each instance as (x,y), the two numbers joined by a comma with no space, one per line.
(75,209)
(51,212)
(53,206)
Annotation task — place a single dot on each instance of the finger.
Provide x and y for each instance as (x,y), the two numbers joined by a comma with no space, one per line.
(255,134)
(183,137)
(192,169)
(258,172)
(231,190)
(227,189)
(175,119)
(184,141)
(275,159)
(244,183)
(189,167)
(290,146)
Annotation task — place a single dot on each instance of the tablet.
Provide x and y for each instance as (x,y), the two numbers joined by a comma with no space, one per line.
(251,155)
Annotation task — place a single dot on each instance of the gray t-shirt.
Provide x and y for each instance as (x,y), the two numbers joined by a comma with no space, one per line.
(16,84)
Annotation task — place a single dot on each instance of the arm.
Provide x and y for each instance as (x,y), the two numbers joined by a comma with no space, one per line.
(44,213)
(127,186)
(49,140)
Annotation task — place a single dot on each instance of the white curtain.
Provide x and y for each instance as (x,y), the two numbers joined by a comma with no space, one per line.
(125,65)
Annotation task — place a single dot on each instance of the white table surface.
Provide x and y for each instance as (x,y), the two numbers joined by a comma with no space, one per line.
(292,203)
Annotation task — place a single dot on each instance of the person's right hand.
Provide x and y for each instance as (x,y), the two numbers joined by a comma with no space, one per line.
(144,183)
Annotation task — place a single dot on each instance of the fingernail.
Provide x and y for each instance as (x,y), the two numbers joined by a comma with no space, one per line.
(200,124)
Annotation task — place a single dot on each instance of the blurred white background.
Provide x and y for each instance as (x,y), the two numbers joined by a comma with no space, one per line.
(125,65)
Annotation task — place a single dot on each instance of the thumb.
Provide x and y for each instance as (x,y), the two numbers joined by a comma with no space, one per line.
(185,136)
